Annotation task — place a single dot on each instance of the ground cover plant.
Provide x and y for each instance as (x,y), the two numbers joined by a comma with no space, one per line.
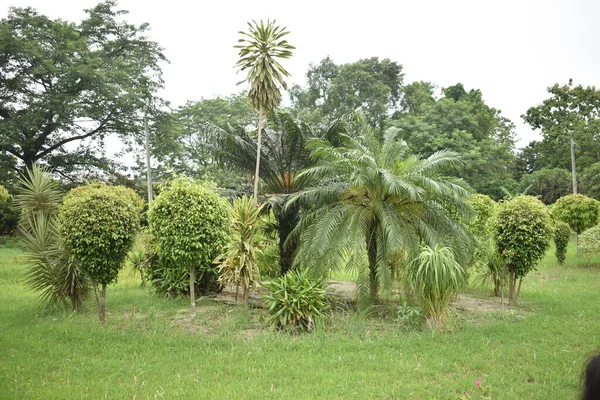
(150,346)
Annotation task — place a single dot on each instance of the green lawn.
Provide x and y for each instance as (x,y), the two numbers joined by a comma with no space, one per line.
(151,348)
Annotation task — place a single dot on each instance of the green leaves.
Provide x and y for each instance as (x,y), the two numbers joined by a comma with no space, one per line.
(562,234)
(577,210)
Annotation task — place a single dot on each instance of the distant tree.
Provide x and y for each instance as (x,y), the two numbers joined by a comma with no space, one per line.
(548,184)
(371,86)
(579,211)
(416,97)
(570,116)
(590,181)
(259,50)
(65,87)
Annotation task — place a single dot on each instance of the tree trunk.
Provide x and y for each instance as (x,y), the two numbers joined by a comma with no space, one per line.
(577,243)
(372,252)
(573,169)
(237,292)
(193,289)
(286,222)
(502,275)
(245,292)
(511,288)
(102,301)
(258,153)
(519,289)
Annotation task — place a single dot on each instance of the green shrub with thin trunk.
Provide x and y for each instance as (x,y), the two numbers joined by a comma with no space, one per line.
(297,301)
(98,224)
(191,225)
(590,240)
(523,229)
(436,276)
(562,234)
(9,217)
(485,208)
(577,210)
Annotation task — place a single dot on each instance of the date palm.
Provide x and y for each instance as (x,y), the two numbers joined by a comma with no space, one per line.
(375,206)
(259,50)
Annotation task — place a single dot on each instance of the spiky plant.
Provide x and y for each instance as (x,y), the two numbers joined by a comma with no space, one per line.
(436,276)
(259,51)
(376,201)
(237,265)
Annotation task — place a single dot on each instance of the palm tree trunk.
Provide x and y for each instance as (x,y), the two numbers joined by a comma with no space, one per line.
(258,152)
(372,252)
(286,222)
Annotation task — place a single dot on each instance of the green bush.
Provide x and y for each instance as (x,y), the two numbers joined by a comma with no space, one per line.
(489,268)
(590,240)
(297,301)
(98,224)
(191,225)
(9,217)
(547,184)
(523,230)
(590,181)
(485,208)
(435,276)
(577,210)
(562,234)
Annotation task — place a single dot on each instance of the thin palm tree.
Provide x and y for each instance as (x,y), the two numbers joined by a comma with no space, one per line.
(259,50)
(375,206)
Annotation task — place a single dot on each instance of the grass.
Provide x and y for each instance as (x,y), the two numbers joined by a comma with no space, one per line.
(151,347)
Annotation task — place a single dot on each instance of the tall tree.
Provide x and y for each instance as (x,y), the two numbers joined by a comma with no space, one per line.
(376,205)
(65,87)
(260,48)
(370,85)
(570,123)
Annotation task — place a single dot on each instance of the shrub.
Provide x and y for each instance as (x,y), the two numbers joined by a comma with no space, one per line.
(51,272)
(9,217)
(435,277)
(590,181)
(98,224)
(485,208)
(577,210)
(590,240)
(297,301)
(562,234)
(522,234)
(547,184)
(191,225)
(238,265)
(490,268)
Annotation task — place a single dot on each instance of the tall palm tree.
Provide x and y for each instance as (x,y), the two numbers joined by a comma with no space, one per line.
(259,50)
(375,206)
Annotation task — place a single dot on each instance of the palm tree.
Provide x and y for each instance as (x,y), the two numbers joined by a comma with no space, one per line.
(376,205)
(260,48)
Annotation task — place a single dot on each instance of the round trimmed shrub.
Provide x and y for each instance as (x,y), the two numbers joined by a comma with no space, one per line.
(98,224)
(9,217)
(577,210)
(191,225)
(590,240)
(562,234)
(523,230)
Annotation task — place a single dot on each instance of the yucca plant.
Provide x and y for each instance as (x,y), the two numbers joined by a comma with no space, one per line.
(51,273)
(259,51)
(238,264)
(489,268)
(435,277)
(297,300)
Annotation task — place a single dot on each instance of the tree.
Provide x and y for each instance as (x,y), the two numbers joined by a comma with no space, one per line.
(577,210)
(416,97)
(98,224)
(191,225)
(370,85)
(9,217)
(375,206)
(548,184)
(570,122)
(590,181)
(562,234)
(259,50)
(65,87)
(523,230)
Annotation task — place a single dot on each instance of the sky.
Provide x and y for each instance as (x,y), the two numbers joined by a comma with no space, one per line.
(511,50)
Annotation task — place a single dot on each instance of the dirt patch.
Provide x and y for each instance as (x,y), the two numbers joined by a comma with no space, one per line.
(343,290)
(479,305)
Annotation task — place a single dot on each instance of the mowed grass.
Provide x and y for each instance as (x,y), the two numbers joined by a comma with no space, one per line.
(152,348)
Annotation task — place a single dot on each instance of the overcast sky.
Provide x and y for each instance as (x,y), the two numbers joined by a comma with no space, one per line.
(512,50)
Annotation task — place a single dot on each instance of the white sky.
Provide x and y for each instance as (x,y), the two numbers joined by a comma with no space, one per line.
(512,50)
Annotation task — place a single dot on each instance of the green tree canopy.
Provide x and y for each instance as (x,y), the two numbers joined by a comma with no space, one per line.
(548,184)
(64,87)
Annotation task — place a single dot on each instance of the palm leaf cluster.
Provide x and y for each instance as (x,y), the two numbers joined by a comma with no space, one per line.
(376,205)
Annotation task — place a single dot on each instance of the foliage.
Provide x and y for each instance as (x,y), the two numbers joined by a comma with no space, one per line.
(191,224)
(371,86)
(570,111)
(436,276)
(562,234)
(409,315)
(485,208)
(9,217)
(297,301)
(590,240)
(489,267)
(238,264)
(590,181)
(51,272)
(577,210)
(98,224)
(522,234)
(54,74)
(375,206)
(547,184)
